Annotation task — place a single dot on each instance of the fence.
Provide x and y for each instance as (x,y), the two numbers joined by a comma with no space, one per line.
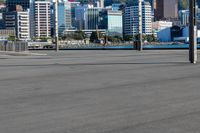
(17,46)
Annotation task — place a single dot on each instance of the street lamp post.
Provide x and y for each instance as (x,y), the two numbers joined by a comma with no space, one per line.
(140,45)
(192,32)
(56,26)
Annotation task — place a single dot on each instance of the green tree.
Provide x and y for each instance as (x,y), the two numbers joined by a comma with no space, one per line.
(183,4)
(94,36)
(149,38)
(115,38)
(78,35)
(11,38)
(128,38)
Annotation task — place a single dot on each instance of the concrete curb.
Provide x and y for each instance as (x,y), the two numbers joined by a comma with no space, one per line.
(27,53)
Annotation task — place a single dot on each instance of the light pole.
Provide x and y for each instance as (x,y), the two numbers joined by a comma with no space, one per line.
(56,26)
(192,33)
(140,45)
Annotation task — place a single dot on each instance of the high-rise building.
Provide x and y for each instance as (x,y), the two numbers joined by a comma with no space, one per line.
(115,23)
(62,24)
(73,6)
(23,26)
(10,20)
(19,22)
(61,17)
(102,3)
(11,4)
(184,17)
(152,3)
(170,8)
(68,16)
(112,21)
(32,18)
(166,9)
(131,24)
(2,24)
(92,18)
(159,10)
(42,13)
(79,16)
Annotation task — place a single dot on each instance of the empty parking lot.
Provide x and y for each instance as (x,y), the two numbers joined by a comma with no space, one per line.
(99,92)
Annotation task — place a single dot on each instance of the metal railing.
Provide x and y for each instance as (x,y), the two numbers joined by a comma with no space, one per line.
(17,46)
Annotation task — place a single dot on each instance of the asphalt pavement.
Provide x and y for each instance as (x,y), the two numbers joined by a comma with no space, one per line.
(100,92)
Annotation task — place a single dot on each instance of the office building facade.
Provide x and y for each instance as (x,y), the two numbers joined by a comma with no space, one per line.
(61,17)
(131,24)
(92,18)
(23,26)
(115,23)
(166,9)
(184,17)
(68,15)
(2,22)
(73,6)
(170,9)
(159,10)
(80,16)
(42,19)
(19,22)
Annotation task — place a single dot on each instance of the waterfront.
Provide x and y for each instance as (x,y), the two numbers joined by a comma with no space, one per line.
(116,46)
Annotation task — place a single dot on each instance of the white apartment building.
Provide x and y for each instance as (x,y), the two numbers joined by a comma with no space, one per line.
(19,22)
(131,25)
(23,25)
(160,25)
(42,19)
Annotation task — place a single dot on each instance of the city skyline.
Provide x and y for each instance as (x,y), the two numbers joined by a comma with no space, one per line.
(74,16)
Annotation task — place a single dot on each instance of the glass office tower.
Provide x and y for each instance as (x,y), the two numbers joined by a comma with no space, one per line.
(115,23)
(92,18)
(61,17)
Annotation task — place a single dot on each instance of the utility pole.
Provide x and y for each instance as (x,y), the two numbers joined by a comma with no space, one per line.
(140,45)
(192,33)
(56,26)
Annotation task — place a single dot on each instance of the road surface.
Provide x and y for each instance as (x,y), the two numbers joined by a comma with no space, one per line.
(100,92)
